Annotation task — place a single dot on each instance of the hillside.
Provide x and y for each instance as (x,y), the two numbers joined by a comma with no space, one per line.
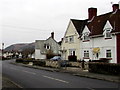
(20,47)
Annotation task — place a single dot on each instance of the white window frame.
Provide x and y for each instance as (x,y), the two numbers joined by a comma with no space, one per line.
(66,39)
(86,53)
(86,36)
(71,39)
(108,51)
(71,51)
(108,33)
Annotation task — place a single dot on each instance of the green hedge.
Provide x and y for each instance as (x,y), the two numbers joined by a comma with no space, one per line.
(72,58)
(19,60)
(35,62)
(105,68)
(39,63)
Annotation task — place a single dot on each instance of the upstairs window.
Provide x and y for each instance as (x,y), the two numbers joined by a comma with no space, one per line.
(47,46)
(66,39)
(108,34)
(71,39)
(86,36)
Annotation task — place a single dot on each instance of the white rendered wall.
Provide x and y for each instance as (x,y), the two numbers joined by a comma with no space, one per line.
(38,54)
(103,44)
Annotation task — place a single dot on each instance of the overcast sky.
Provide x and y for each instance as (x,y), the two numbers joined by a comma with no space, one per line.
(24,21)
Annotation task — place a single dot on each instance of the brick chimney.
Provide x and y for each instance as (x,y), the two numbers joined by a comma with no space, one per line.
(92,12)
(115,6)
(52,35)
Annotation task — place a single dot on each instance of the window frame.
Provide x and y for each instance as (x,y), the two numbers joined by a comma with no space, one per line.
(108,53)
(71,39)
(47,46)
(86,36)
(108,34)
(71,51)
(86,53)
(66,39)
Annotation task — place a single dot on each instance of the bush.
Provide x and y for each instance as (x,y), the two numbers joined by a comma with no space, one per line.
(105,68)
(39,63)
(19,60)
(72,58)
(24,60)
(4,58)
(29,59)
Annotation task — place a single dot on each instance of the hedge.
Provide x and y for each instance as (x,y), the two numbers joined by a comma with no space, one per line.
(72,58)
(39,63)
(35,62)
(104,68)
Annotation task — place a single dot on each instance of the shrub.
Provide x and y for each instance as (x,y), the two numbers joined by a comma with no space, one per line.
(30,59)
(105,68)
(24,60)
(72,58)
(39,63)
(19,60)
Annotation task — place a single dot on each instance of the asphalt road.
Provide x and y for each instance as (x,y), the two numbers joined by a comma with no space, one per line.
(33,78)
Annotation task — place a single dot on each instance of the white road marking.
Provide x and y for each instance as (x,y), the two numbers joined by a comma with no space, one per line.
(55,79)
(29,72)
(16,84)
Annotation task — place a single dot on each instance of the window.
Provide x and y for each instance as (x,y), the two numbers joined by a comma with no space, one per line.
(71,51)
(86,36)
(46,46)
(66,39)
(71,39)
(108,34)
(108,53)
(86,54)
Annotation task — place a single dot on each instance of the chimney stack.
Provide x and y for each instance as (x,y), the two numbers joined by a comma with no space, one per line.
(115,7)
(52,35)
(92,12)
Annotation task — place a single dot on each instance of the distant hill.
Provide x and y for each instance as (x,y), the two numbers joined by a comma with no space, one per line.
(20,47)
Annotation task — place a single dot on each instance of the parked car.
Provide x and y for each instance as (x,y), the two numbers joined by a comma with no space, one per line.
(56,58)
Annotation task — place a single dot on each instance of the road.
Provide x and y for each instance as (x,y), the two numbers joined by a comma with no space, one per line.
(33,78)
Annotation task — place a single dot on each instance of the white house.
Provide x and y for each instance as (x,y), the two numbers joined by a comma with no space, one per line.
(42,47)
(101,37)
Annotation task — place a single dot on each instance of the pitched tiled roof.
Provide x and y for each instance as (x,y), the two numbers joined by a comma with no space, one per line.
(79,25)
(97,24)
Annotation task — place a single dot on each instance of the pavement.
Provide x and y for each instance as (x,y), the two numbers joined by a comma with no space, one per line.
(75,71)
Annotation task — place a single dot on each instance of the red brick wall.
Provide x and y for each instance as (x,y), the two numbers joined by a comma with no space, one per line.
(118,48)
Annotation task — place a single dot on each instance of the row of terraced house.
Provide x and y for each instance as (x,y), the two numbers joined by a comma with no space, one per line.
(95,38)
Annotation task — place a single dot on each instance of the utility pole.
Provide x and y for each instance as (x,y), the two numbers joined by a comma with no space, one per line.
(2,49)
(2,46)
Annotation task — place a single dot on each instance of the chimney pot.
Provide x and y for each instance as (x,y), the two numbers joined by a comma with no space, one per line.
(92,12)
(115,7)
(52,35)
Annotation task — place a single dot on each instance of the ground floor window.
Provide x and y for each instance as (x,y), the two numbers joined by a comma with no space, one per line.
(108,54)
(71,51)
(86,53)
